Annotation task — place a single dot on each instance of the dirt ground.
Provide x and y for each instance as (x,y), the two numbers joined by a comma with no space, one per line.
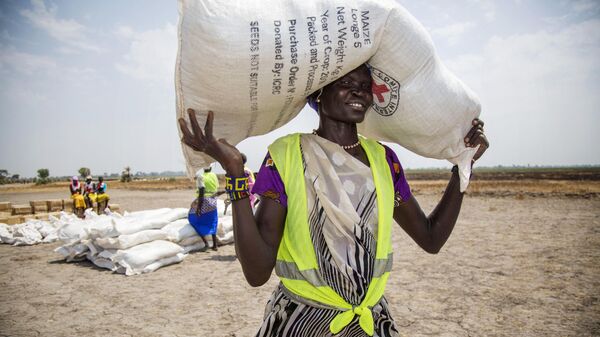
(520,264)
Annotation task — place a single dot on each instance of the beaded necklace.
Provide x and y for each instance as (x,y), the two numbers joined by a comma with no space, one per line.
(345,147)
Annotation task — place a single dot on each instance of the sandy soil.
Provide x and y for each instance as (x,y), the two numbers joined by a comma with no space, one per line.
(514,266)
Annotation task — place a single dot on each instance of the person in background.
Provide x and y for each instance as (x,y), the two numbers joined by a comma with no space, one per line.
(203,214)
(101,195)
(89,192)
(78,200)
(248,172)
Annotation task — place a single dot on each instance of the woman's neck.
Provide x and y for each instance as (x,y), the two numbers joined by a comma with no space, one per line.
(338,132)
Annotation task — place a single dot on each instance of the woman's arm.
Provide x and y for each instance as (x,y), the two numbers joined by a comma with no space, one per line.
(257,237)
(431,232)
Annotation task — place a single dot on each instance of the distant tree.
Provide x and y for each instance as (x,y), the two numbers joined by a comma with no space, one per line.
(15,177)
(42,177)
(3,176)
(84,172)
(126,175)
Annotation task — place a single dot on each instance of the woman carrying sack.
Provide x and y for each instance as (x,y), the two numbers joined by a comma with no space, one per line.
(324,221)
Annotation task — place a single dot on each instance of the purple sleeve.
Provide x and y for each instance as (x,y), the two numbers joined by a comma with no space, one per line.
(400,184)
(268,182)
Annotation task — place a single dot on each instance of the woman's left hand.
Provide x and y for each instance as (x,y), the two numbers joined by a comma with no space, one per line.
(475,137)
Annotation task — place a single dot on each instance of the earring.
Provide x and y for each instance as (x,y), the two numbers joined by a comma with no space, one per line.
(319,95)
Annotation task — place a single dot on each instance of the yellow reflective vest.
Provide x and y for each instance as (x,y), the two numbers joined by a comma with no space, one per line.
(297,265)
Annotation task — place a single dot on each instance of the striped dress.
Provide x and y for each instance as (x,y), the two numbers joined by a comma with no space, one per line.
(345,251)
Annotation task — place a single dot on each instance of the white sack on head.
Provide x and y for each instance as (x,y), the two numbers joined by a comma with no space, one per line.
(254,63)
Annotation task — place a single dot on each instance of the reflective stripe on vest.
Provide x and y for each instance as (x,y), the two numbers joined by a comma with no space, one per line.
(297,265)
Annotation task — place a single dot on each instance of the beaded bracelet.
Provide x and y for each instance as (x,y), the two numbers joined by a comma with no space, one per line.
(237,188)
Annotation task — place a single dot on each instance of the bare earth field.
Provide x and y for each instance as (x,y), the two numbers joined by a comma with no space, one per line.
(524,260)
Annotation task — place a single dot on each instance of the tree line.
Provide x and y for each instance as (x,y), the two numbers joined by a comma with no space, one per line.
(43,176)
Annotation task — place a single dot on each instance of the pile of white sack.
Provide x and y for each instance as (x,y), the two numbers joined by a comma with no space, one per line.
(31,232)
(133,243)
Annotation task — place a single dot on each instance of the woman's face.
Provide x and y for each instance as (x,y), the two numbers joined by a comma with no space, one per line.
(348,98)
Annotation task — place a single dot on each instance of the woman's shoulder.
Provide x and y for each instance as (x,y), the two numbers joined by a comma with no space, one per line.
(285,140)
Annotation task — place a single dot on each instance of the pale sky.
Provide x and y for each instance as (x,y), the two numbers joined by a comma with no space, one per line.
(90,83)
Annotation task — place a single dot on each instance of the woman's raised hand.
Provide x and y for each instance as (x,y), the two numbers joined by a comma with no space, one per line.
(475,137)
(226,154)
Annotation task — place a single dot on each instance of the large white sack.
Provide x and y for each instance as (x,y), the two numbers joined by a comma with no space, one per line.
(254,62)
(6,234)
(101,262)
(75,251)
(75,229)
(135,259)
(26,234)
(164,262)
(194,247)
(44,227)
(50,237)
(136,222)
(179,230)
(129,240)
(93,248)
(30,232)
(225,225)
(226,238)
(150,213)
(190,241)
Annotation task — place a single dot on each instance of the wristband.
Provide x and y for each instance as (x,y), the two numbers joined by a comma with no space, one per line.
(237,188)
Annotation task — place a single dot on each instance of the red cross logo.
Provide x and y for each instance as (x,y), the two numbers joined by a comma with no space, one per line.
(379,90)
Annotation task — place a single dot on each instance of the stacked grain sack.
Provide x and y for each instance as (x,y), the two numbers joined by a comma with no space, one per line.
(30,232)
(136,243)
(255,62)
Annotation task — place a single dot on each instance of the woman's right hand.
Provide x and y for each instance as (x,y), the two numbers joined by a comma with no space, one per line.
(226,154)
